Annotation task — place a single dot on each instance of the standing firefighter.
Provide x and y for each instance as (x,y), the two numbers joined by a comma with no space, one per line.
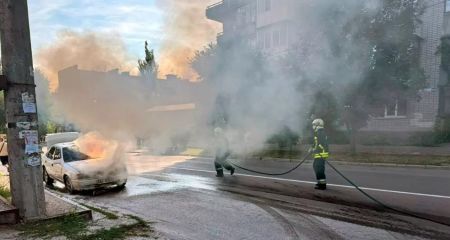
(320,153)
(222,153)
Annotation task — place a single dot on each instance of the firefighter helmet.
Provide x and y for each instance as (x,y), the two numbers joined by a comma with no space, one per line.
(317,123)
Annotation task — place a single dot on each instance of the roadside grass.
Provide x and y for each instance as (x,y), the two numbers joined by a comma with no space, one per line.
(138,229)
(5,192)
(71,226)
(74,227)
(392,159)
(372,158)
(108,215)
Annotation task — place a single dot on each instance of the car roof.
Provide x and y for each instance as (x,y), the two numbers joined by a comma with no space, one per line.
(66,144)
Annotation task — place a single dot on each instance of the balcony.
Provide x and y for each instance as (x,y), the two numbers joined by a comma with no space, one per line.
(216,11)
(219,11)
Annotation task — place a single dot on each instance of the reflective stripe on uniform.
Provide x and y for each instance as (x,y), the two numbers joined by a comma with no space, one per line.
(322,181)
(321,155)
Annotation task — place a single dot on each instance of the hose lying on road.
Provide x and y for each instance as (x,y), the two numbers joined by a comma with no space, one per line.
(382,204)
(272,174)
(349,181)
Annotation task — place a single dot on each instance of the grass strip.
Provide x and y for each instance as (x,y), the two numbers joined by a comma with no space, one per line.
(70,226)
(5,192)
(138,229)
(108,215)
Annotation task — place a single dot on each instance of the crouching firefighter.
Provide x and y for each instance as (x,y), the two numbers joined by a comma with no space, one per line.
(320,153)
(222,153)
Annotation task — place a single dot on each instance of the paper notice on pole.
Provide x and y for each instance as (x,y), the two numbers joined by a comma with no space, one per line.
(31,141)
(28,133)
(29,107)
(23,125)
(27,98)
(33,160)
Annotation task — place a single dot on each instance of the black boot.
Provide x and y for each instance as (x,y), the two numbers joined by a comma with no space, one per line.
(219,173)
(320,186)
(232,171)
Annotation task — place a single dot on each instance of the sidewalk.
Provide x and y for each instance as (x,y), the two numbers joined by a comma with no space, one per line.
(54,206)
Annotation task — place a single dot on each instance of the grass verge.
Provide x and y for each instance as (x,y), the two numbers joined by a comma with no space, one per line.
(70,226)
(392,159)
(5,192)
(138,229)
(372,158)
(74,227)
(108,215)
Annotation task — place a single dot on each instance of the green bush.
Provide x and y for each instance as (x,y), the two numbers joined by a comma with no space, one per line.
(424,139)
(442,130)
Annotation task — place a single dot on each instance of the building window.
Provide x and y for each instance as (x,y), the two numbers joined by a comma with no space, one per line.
(267,42)
(283,35)
(447,6)
(260,39)
(276,38)
(267,5)
(395,109)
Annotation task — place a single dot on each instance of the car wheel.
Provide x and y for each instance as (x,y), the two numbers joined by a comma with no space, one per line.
(68,185)
(47,179)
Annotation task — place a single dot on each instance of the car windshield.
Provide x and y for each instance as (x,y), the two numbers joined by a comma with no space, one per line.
(72,154)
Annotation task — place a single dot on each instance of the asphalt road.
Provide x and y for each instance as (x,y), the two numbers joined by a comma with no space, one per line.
(416,180)
(188,202)
(417,190)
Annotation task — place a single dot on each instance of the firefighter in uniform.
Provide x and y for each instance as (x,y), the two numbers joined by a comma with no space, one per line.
(320,153)
(222,153)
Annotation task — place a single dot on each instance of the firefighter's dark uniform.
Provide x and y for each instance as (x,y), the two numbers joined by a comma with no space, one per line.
(321,154)
(222,153)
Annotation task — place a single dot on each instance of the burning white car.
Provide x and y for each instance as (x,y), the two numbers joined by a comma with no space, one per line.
(78,170)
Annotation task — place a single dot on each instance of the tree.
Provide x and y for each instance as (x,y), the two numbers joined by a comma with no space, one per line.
(148,67)
(394,70)
(371,57)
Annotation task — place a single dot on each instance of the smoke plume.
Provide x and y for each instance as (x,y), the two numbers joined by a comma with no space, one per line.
(257,97)
(88,50)
(186,30)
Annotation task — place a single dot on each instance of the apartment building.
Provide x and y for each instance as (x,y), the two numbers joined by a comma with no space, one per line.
(271,26)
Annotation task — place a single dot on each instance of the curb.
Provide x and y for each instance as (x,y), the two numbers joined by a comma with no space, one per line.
(9,216)
(81,211)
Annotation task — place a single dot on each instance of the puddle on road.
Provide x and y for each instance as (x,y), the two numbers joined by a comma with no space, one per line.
(150,184)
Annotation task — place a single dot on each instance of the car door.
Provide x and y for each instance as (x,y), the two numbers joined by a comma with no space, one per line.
(48,158)
(57,163)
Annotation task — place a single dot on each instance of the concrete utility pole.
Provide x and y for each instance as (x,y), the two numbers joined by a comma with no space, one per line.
(24,158)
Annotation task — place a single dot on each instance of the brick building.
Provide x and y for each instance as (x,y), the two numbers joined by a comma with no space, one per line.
(269,25)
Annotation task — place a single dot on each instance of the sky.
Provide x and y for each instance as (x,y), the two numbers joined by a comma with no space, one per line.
(175,29)
(133,20)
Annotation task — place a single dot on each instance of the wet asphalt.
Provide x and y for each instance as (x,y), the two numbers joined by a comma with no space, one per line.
(186,200)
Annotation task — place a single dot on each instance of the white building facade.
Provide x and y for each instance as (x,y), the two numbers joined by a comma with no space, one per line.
(269,25)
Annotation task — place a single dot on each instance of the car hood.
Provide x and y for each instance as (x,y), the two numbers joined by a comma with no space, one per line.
(94,166)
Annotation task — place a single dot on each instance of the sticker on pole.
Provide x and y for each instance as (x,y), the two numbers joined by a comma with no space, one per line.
(27,98)
(28,103)
(29,107)
(31,141)
(26,125)
(33,160)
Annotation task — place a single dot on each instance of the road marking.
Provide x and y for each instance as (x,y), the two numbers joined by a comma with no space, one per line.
(334,185)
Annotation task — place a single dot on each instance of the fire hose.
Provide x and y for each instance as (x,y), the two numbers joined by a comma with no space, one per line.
(350,182)
(272,174)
